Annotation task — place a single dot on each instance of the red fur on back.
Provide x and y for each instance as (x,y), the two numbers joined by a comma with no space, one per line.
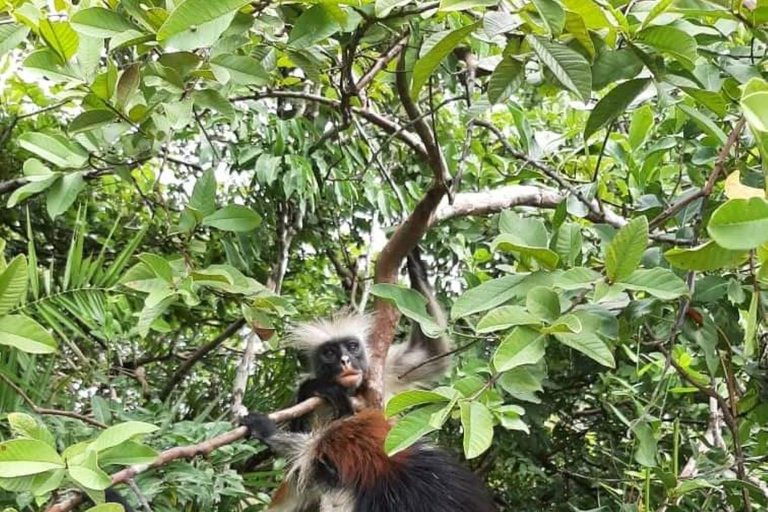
(355,447)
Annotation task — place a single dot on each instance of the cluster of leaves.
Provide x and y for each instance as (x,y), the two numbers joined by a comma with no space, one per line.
(606,337)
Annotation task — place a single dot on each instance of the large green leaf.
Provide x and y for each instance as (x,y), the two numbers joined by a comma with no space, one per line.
(588,342)
(659,282)
(11,34)
(63,193)
(240,69)
(101,22)
(671,41)
(523,383)
(543,303)
(21,457)
(740,224)
(410,303)
(477,422)
(568,66)
(382,8)
(553,15)
(612,66)
(626,249)
(465,5)
(13,284)
(212,99)
(613,104)
(523,346)
(128,453)
(505,317)
(412,398)
(24,425)
(118,434)
(707,125)
(410,428)
(54,148)
(91,119)
(233,217)
(60,37)
(432,59)
(506,78)
(512,243)
(314,25)
(709,256)
(26,335)
(192,13)
(486,296)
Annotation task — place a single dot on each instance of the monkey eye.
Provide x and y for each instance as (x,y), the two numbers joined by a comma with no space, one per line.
(353,346)
(328,352)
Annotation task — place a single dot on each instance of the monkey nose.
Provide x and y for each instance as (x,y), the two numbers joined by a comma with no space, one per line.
(345,360)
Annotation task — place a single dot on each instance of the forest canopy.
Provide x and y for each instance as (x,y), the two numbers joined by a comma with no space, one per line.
(181,180)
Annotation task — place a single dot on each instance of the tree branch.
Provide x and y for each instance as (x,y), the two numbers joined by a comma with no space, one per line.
(191,451)
(50,412)
(198,355)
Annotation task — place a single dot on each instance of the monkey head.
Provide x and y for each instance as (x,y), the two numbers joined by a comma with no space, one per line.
(336,348)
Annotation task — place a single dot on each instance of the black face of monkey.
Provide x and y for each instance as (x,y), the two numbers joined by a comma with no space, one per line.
(342,360)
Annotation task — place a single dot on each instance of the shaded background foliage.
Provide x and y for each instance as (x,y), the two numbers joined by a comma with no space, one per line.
(177,174)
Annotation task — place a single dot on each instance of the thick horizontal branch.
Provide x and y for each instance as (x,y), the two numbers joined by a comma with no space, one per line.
(188,452)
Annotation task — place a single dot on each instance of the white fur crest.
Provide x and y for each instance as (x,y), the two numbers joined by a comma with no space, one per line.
(307,336)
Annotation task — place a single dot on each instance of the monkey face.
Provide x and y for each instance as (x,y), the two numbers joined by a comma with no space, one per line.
(341,360)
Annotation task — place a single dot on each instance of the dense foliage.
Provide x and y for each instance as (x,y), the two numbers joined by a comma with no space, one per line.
(182,178)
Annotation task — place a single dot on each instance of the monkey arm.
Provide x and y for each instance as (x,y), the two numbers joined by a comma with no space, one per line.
(333,393)
(285,444)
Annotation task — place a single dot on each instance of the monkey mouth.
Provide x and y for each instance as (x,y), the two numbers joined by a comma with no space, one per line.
(350,378)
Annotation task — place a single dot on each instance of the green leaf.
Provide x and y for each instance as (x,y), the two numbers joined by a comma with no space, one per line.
(553,15)
(203,197)
(566,323)
(613,66)
(384,7)
(128,453)
(21,457)
(750,332)
(91,119)
(626,249)
(26,335)
(543,303)
(11,34)
(54,148)
(588,343)
(118,434)
(152,312)
(577,278)
(640,126)
(646,451)
(63,193)
(511,243)
(576,26)
(477,422)
(13,284)
(209,98)
(89,477)
(26,426)
(671,41)
(709,256)
(522,383)
(101,22)
(410,428)
(60,37)
(505,80)
(427,64)
(613,104)
(658,9)
(107,507)
(192,13)
(505,317)
(465,5)
(659,282)
(705,123)
(569,242)
(313,26)
(486,296)
(740,224)
(410,303)
(233,217)
(712,100)
(412,398)
(568,66)
(240,69)
(523,346)
(158,265)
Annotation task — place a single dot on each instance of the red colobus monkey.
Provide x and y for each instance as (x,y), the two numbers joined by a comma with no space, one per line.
(337,350)
(345,465)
